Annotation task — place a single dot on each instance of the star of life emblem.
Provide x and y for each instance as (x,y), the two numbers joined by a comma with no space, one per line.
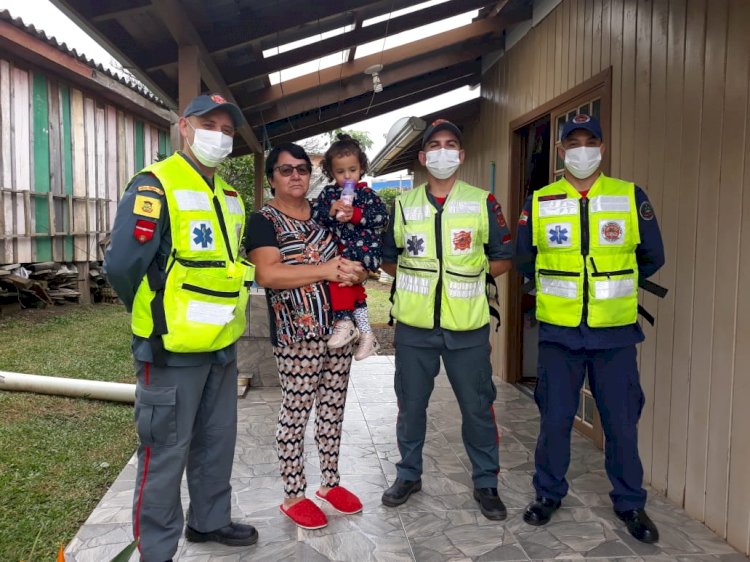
(202,236)
(559,234)
(416,245)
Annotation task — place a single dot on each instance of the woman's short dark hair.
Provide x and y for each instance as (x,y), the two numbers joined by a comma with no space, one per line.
(345,145)
(294,149)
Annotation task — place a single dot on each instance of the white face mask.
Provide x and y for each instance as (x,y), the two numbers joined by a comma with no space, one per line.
(442,163)
(211,148)
(583,160)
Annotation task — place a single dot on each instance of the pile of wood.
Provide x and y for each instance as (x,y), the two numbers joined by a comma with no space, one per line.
(39,284)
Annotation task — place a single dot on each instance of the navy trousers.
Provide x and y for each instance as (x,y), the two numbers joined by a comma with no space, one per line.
(470,374)
(615,384)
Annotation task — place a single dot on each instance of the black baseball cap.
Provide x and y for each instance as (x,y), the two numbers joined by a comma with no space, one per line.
(206,103)
(582,121)
(441,125)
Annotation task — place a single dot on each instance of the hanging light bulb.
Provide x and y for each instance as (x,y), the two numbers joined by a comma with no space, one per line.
(377,85)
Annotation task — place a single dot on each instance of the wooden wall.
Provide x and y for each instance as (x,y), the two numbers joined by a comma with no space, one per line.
(65,156)
(680,127)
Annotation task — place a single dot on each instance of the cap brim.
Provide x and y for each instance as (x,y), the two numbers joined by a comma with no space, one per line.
(234,112)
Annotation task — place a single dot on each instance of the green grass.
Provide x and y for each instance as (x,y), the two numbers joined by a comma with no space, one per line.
(378,303)
(59,455)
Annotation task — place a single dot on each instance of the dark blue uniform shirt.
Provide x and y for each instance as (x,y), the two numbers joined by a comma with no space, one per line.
(650,256)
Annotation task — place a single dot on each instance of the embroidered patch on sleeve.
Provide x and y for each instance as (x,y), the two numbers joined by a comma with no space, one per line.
(524,218)
(646,211)
(144,230)
(147,206)
(151,188)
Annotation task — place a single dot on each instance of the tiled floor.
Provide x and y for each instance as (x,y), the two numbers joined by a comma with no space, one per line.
(440,523)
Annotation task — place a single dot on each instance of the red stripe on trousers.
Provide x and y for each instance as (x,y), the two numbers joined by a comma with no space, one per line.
(137,532)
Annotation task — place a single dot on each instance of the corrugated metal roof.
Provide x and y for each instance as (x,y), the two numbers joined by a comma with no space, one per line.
(30,29)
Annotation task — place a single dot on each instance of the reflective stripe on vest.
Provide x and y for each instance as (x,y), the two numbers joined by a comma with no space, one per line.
(586,263)
(205,293)
(460,273)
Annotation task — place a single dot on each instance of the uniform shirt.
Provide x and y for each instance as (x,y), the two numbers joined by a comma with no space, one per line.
(138,240)
(650,257)
(498,247)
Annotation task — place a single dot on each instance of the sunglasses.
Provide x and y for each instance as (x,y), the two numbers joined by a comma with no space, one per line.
(287,169)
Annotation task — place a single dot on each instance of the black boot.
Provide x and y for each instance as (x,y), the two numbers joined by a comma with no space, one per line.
(234,534)
(490,503)
(400,492)
(639,525)
(540,511)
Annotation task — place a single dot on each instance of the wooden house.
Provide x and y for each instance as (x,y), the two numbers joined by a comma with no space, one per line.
(71,134)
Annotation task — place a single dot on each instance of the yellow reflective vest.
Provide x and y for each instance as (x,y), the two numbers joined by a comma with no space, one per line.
(586,266)
(204,296)
(458,277)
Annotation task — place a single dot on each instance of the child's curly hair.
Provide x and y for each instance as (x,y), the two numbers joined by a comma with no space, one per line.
(345,145)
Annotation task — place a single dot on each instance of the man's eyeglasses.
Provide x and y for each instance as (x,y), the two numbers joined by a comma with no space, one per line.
(287,169)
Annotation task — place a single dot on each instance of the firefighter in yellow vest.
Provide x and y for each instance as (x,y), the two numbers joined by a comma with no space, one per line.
(445,241)
(174,262)
(588,241)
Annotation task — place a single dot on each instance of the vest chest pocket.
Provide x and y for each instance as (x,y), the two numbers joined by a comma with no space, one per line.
(614,281)
(200,303)
(559,283)
(464,284)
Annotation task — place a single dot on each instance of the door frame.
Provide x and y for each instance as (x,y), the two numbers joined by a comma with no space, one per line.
(567,100)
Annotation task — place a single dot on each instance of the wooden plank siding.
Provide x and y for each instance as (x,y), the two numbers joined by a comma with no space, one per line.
(64,161)
(679,126)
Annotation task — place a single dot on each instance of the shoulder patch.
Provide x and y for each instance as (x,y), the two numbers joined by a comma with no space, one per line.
(646,211)
(524,218)
(144,230)
(151,188)
(147,206)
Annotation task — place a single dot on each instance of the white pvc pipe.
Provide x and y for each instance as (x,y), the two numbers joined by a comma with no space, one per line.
(114,391)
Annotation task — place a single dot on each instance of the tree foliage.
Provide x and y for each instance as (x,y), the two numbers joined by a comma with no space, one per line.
(239,172)
(320,143)
(388,195)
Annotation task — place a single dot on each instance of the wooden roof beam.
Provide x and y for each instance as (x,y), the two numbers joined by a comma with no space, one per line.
(173,16)
(392,56)
(127,9)
(353,112)
(363,83)
(358,30)
(280,16)
(244,73)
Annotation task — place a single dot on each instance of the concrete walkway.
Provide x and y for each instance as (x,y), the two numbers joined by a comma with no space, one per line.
(440,523)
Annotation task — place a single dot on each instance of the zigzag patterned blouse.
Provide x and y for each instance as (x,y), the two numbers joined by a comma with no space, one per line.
(303,313)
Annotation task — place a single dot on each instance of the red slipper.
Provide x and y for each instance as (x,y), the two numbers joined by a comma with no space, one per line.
(342,500)
(306,514)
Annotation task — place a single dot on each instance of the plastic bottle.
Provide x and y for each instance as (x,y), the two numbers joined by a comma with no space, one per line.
(347,195)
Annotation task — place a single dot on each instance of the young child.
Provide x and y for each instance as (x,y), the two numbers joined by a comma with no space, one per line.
(358,228)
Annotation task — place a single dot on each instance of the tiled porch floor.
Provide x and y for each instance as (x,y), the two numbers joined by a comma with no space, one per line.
(440,523)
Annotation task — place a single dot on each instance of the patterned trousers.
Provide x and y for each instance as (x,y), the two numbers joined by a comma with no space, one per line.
(310,373)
